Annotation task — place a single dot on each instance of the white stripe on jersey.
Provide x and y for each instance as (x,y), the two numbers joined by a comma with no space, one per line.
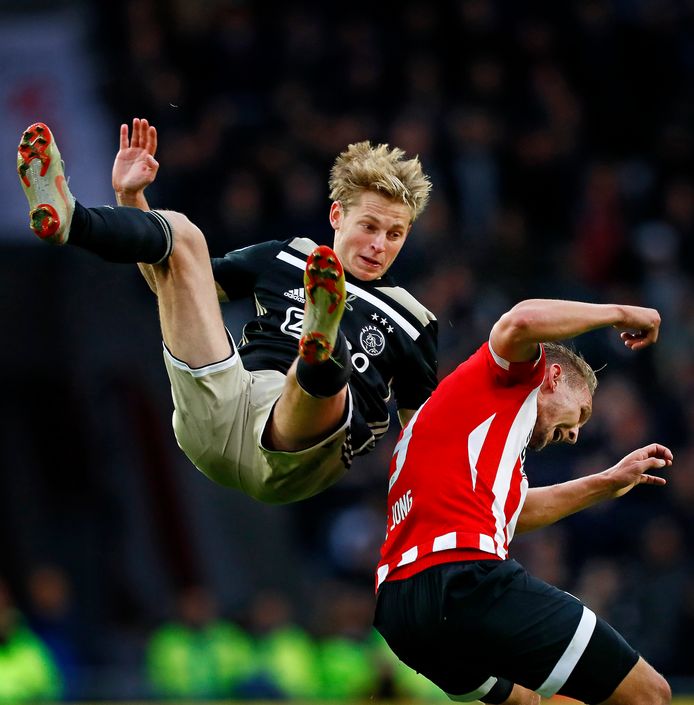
(404,298)
(511,526)
(445,542)
(487,544)
(400,452)
(352,289)
(515,443)
(566,664)
(475,442)
(410,556)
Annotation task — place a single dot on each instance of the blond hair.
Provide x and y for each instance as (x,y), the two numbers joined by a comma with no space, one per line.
(364,167)
(574,364)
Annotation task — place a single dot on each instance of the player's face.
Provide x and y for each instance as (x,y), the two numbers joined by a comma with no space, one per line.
(369,236)
(561,413)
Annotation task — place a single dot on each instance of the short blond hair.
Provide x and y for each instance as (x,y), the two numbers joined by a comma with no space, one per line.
(574,365)
(364,167)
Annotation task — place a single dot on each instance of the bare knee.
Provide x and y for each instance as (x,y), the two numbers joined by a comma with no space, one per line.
(665,693)
(643,685)
(660,694)
(655,692)
(189,240)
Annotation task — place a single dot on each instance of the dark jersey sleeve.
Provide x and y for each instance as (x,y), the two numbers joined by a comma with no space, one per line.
(416,375)
(237,272)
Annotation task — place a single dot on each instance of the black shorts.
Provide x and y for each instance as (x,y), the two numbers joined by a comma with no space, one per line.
(475,628)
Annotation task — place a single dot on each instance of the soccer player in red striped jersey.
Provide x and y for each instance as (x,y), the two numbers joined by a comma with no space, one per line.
(451,603)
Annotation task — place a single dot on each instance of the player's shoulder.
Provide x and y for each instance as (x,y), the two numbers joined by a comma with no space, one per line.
(303,245)
(407,301)
(260,255)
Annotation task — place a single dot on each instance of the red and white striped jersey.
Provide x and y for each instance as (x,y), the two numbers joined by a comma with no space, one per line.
(457,483)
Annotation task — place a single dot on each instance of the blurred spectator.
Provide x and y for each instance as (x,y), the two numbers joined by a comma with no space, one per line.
(623,416)
(52,616)
(602,584)
(241,212)
(198,654)
(544,554)
(475,135)
(344,641)
(28,672)
(354,537)
(302,208)
(285,655)
(662,577)
(600,232)
(681,493)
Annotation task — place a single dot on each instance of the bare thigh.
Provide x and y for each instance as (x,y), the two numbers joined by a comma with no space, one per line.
(191,319)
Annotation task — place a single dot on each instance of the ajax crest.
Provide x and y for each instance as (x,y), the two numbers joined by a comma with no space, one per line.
(372,340)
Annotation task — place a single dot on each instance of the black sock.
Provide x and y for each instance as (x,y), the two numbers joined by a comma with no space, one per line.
(325,379)
(121,234)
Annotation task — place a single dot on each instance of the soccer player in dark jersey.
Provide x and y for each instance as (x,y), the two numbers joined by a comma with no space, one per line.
(281,415)
(451,603)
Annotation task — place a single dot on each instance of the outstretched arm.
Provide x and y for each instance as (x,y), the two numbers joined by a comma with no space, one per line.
(546,505)
(135,167)
(516,334)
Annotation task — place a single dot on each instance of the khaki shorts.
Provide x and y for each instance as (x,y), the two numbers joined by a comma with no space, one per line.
(220,413)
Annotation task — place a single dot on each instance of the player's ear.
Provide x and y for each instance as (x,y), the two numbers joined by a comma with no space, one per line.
(336,214)
(552,376)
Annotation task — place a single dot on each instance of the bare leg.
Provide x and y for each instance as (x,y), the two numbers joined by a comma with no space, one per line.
(643,685)
(194,332)
(522,696)
(191,320)
(299,420)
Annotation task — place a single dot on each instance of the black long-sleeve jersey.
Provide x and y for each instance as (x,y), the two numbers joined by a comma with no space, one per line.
(391,336)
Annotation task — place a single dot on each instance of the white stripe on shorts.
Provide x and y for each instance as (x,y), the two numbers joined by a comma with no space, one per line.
(566,664)
(208,369)
(475,694)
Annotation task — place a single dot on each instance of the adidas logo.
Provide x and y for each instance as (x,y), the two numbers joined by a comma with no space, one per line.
(296,294)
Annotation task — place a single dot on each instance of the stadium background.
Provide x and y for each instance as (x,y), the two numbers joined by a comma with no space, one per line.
(560,146)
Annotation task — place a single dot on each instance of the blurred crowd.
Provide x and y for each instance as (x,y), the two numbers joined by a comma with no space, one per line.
(558,137)
(199,653)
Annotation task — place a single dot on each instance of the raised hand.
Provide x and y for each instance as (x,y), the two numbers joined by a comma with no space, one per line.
(633,469)
(643,325)
(135,167)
